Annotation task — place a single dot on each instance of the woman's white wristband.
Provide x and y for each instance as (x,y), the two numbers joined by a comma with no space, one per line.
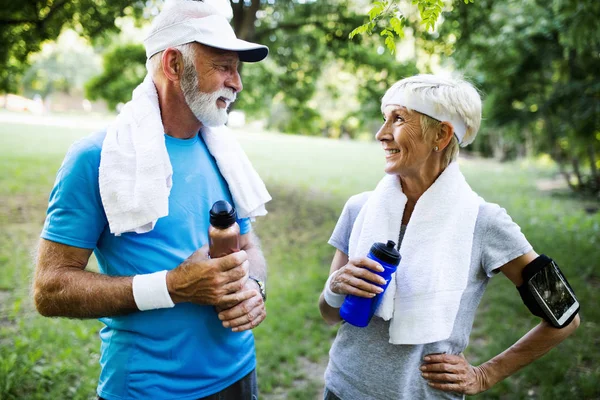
(335,300)
(150,291)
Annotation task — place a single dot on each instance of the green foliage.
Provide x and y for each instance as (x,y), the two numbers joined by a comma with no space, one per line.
(430,11)
(26,24)
(537,63)
(305,39)
(387,16)
(380,11)
(124,69)
(64,66)
(375,74)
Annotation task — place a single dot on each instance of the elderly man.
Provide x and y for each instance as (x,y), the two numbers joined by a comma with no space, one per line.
(177,323)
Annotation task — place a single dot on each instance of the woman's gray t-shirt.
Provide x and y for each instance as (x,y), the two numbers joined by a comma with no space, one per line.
(363,365)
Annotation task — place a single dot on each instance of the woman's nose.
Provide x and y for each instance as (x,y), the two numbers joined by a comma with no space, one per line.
(383,133)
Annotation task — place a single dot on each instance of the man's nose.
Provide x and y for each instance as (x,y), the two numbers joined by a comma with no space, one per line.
(235,82)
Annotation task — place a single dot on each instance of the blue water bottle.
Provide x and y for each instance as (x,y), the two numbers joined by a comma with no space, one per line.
(358,311)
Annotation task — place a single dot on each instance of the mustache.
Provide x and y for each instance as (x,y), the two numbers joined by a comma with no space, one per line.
(228,94)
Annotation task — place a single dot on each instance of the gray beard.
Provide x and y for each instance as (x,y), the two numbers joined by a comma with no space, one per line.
(204,105)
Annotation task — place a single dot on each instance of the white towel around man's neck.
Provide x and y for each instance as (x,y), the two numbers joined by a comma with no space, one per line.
(135,175)
(424,295)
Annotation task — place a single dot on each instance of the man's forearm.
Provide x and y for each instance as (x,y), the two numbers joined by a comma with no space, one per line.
(258,264)
(62,287)
(529,348)
(89,294)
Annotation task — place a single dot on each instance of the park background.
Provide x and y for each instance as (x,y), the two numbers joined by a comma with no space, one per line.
(307,117)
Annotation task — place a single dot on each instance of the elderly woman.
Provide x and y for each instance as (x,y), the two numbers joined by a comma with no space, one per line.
(451,242)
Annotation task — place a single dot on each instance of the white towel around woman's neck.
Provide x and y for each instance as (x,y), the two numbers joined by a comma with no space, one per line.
(424,295)
(135,175)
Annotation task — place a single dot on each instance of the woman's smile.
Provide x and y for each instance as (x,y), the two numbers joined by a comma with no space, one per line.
(389,153)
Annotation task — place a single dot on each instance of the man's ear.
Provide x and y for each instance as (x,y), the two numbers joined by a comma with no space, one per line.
(444,135)
(172,64)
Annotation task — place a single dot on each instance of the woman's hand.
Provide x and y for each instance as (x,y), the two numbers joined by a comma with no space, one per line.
(452,373)
(357,278)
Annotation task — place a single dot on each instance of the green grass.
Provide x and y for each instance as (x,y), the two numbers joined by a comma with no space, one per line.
(309,179)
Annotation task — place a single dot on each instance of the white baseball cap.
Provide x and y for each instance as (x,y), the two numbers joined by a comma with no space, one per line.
(212,30)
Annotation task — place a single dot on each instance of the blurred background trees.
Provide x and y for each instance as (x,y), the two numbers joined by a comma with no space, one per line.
(124,67)
(535,62)
(26,24)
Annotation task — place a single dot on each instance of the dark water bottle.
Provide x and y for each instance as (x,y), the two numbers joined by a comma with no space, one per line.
(358,311)
(224,231)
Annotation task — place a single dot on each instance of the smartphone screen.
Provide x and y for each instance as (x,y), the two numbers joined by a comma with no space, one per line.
(554,292)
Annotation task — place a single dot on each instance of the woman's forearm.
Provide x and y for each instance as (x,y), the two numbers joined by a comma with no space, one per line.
(529,348)
(330,314)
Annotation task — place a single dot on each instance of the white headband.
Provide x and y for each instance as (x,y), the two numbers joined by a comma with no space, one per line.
(213,31)
(416,103)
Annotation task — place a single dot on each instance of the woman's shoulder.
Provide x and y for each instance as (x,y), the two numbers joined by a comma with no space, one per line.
(356,202)
(501,238)
(492,214)
(496,226)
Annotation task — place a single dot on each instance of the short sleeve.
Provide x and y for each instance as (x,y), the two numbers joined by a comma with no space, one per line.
(340,237)
(503,240)
(245,225)
(75,216)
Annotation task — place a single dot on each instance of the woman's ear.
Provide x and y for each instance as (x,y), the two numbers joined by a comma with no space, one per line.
(444,135)
(172,64)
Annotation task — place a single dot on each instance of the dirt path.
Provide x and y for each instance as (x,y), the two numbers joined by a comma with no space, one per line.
(313,373)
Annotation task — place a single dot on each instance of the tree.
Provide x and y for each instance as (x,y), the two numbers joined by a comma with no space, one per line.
(26,24)
(386,18)
(537,63)
(306,38)
(124,69)
(62,66)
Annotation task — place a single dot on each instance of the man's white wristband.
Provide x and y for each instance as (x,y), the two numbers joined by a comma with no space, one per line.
(150,291)
(335,300)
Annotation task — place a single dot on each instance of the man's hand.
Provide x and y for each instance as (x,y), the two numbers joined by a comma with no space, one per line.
(217,281)
(452,373)
(247,314)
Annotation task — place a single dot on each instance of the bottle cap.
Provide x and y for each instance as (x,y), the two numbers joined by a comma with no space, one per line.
(222,214)
(386,252)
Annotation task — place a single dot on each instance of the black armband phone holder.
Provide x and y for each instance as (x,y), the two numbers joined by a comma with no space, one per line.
(540,300)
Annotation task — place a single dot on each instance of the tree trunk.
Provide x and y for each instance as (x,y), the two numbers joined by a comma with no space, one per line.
(529,143)
(244,19)
(497,146)
(566,175)
(577,172)
(238,14)
(243,24)
(595,179)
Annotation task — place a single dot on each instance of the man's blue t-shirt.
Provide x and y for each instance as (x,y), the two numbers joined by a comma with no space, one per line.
(178,353)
